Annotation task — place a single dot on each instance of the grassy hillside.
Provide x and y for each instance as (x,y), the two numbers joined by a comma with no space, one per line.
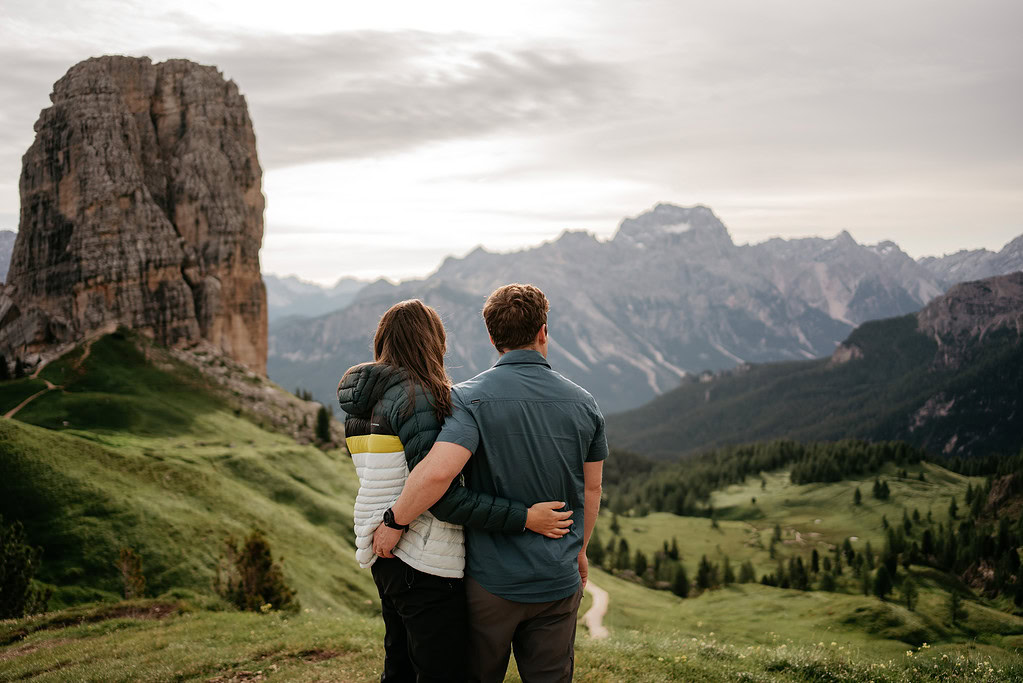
(134,455)
(975,410)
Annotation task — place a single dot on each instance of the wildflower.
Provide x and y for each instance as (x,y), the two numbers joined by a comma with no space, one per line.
(926,646)
(909,653)
(712,633)
(820,644)
(265,608)
(833,643)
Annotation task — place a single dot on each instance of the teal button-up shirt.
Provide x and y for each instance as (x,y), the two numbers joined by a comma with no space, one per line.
(530,430)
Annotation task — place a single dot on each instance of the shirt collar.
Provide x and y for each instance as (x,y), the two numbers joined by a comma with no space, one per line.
(522,357)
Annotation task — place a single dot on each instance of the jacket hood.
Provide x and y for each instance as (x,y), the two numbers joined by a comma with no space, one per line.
(363,385)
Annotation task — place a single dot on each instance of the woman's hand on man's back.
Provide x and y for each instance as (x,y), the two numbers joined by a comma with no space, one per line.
(546,519)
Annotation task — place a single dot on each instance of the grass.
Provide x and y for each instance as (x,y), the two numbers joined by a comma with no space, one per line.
(811,516)
(171,477)
(159,641)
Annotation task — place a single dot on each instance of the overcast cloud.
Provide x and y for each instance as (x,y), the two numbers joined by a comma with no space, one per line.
(447,128)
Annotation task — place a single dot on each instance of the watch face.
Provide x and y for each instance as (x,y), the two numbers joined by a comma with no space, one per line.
(389,517)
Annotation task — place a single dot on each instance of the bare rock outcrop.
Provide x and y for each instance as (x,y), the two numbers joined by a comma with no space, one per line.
(141,205)
(970,311)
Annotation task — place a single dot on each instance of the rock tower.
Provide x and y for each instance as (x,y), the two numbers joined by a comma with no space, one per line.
(141,205)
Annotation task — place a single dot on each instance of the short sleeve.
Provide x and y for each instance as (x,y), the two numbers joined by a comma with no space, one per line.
(460,428)
(598,446)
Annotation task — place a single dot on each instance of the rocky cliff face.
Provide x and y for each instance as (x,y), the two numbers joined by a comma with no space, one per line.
(141,205)
(969,312)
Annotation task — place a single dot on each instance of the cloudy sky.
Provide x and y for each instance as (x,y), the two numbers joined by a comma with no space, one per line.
(395,133)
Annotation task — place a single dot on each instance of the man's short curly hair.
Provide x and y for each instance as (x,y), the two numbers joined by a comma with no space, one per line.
(514,314)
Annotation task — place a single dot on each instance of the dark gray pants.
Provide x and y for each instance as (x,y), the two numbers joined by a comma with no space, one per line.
(542,633)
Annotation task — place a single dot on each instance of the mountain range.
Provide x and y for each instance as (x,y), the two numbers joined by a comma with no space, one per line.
(291,296)
(669,296)
(946,379)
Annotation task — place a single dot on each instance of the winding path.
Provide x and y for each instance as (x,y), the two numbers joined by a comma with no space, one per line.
(594,617)
(50,386)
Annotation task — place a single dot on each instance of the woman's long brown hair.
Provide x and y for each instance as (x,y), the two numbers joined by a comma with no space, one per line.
(411,336)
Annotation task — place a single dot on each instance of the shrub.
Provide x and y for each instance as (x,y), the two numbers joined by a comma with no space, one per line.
(130,565)
(249,578)
(19,563)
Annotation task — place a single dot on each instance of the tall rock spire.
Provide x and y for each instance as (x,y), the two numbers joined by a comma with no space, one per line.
(141,205)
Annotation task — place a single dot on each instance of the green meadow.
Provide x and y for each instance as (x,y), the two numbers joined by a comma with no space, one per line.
(142,454)
(811,516)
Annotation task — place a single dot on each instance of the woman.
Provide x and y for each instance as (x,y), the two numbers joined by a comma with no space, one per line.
(395,408)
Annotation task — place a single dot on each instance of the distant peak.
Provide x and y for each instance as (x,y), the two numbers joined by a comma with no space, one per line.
(669,219)
(845,237)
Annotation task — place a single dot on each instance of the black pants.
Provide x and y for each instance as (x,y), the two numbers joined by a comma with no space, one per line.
(426,621)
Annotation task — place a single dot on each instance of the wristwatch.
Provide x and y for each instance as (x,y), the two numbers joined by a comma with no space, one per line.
(389,521)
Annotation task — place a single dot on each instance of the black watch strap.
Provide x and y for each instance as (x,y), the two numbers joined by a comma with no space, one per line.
(389,521)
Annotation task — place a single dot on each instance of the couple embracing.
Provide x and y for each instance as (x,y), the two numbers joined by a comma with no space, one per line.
(476,502)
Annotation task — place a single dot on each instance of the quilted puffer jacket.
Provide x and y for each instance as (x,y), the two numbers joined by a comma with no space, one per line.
(389,430)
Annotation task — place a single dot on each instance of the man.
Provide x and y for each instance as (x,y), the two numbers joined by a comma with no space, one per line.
(532,435)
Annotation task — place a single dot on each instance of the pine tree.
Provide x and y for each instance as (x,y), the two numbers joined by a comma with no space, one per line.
(323,425)
(955,607)
(882,582)
(5,372)
(746,572)
(728,576)
(847,549)
(595,550)
(953,509)
(815,562)
(910,593)
(704,574)
(19,369)
(680,584)
(623,561)
(639,565)
(616,528)
(777,532)
(674,553)
(857,497)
